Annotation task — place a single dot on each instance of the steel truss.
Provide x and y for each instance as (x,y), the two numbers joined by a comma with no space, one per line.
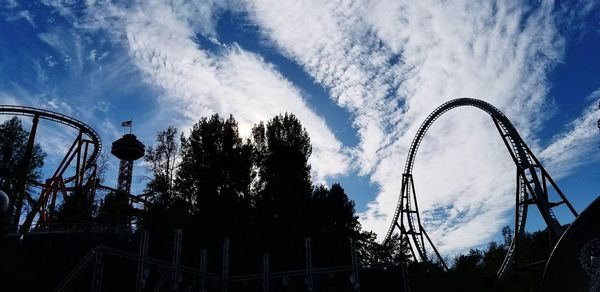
(533,186)
(95,258)
(81,157)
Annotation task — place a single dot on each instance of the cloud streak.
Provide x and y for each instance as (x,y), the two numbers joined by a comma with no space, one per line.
(196,82)
(577,145)
(338,49)
(390,63)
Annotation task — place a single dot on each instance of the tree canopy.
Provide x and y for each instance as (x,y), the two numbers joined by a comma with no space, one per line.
(215,185)
(12,151)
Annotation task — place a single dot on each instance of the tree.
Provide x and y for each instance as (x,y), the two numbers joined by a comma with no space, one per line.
(114,209)
(168,209)
(493,257)
(76,208)
(333,212)
(373,252)
(12,151)
(215,174)
(161,159)
(283,188)
(282,149)
(331,221)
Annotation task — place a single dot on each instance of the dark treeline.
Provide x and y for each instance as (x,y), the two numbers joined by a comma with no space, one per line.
(477,269)
(214,186)
(256,194)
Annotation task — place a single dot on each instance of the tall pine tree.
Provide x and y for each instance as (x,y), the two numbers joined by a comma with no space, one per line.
(283,188)
(214,175)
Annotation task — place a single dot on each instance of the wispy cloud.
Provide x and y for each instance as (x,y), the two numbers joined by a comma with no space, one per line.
(390,63)
(578,144)
(160,38)
(338,49)
(55,138)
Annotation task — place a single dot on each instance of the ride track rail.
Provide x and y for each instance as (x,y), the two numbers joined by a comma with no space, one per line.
(78,151)
(59,118)
(532,186)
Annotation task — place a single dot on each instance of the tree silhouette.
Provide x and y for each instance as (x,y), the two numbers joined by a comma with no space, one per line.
(77,207)
(258,193)
(283,188)
(214,175)
(114,209)
(161,161)
(167,209)
(333,213)
(13,142)
(331,222)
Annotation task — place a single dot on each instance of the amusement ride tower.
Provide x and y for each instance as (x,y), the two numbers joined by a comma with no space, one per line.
(127,149)
(534,186)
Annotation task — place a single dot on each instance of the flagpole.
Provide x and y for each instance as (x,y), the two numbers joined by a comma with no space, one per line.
(128,124)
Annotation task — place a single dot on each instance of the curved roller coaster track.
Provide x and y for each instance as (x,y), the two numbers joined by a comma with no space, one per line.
(91,134)
(79,155)
(534,186)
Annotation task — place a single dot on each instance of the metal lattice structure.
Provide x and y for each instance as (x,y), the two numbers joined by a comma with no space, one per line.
(179,277)
(534,186)
(81,157)
(125,175)
(127,149)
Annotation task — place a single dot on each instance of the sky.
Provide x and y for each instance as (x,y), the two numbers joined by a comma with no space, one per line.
(360,75)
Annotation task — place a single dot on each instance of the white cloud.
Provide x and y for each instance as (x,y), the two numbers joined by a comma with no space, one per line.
(576,146)
(336,47)
(92,55)
(160,38)
(54,138)
(27,16)
(8,99)
(10,4)
(55,104)
(67,44)
(467,49)
(389,63)
(499,52)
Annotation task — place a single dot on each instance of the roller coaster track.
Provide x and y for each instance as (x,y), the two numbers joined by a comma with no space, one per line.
(85,163)
(533,184)
(59,118)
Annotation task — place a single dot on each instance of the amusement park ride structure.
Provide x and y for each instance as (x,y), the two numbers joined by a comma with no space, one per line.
(82,155)
(534,186)
(127,149)
(75,175)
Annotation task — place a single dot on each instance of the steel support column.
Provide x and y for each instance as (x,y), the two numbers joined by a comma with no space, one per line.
(23,171)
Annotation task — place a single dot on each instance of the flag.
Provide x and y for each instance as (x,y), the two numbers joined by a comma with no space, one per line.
(126,124)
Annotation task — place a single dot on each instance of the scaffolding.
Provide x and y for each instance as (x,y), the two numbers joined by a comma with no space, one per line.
(172,273)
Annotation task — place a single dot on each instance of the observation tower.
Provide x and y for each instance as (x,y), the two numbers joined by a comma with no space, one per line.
(127,149)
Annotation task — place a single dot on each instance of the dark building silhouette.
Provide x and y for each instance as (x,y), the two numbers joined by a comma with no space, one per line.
(128,149)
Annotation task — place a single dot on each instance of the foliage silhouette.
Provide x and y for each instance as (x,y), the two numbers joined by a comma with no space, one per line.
(257,193)
(114,209)
(13,143)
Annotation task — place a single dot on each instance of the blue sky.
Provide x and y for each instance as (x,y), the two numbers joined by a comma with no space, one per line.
(360,75)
